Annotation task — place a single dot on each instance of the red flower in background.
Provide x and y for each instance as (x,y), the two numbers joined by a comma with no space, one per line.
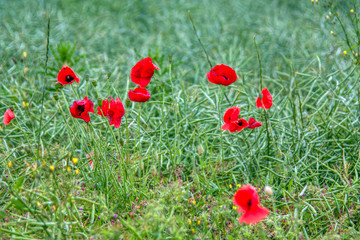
(8,116)
(113,110)
(232,123)
(254,124)
(222,74)
(139,94)
(266,101)
(81,108)
(247,199)
(67,76)
(142,72)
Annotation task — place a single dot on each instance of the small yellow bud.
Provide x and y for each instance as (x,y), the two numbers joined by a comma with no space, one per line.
(193,230)
(230,186)
(53,208)
(68,169)
(25,54)
(75,160)
(77,171)
(25,104)
(356,54)
(316,1)
(268,190)
(352,10)
(0,127)
(10,164)
(190,222)
(52,168)
(25,70)
(239,185)
(327,17)
(330,14)
(38,204)
(332,32)
(194,202)
(198,222)
(72,200)
(345,52)
(234,207)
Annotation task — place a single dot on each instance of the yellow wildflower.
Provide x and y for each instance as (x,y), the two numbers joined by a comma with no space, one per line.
(77,171)
(10,164)
(68,169)
(25,70)
(25,104)
(345,52)
(52,168)
(332,32)
(230,186)
(193,230)
(194,202)
(198,222)
(234,207)
(75,160)
(327,17)
(190,222)
(352,10)
(25,54)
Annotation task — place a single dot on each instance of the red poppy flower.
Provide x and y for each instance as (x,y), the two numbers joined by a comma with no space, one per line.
(8,116)
(266,101)
(139,94)
(142,72)
(247,199)
(114,111)
(222,74)
(81,109)
(253,124)
(67,76)
(232,123)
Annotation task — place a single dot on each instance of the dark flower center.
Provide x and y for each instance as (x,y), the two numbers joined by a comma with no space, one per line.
(69,78)
(224,77)
(81,109)
(249,203)
(240,123)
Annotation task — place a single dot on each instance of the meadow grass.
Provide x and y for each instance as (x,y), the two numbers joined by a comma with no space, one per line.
(169,171)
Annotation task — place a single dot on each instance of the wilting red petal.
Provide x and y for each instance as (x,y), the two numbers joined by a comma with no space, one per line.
(254,216)
(248,201)
(253,124)
(142,72)
(8,116)
(113,110)
(139,94)
(81,108)
(67,76)
(266,101)
(222,75)
(231,114)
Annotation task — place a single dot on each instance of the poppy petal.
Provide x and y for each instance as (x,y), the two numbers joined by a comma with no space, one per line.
(254,216)
(8,116)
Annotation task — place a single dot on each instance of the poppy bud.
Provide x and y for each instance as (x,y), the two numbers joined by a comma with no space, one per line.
(108,74)
(100,102)
(59,85)
(94,83)
(56,97)
(127,102)
(268,190)
(87,77)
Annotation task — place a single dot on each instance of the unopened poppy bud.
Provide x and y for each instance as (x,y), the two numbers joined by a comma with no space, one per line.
(59,85)
(99,101)
(108,74)
(87,77)
(56,97)
(127,102)
(268,190)
(94,83)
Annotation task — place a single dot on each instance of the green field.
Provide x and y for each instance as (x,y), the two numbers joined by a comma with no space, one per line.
(169,171)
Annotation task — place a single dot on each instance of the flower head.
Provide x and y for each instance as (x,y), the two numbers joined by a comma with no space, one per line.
(8,116)
(139,94)
(142,72)
(253,124)
(222,75)
(67,76)
(266,101)
(113,110)
(81,108)
(247,199)
(232,123)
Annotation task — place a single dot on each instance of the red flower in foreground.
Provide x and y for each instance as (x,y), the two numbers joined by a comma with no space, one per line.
(81,109)
(247,199)
(142,72)
(222,74)
(67,76)
(8,116)
(253,124)
(232,123)
(139,94)
(266,101)
(114,111)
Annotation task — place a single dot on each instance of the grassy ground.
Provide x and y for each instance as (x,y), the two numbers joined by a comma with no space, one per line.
(169,172)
